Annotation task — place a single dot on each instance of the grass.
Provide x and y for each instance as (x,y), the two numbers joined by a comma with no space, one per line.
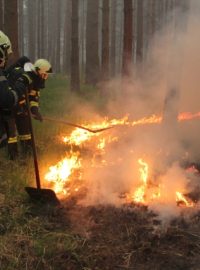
(35,236)
(58,100)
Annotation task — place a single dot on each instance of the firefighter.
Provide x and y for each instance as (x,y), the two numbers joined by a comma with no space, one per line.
(13,71)
(36,74)
(9,97)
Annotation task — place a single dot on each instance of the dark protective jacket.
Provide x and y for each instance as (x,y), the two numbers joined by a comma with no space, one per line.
(8,100)
(16,93)
(8,97)
(19,63)
(34,89)
(11,95)
(35,83)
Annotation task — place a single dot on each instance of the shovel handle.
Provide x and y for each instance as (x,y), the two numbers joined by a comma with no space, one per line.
(37,175)
(75,125)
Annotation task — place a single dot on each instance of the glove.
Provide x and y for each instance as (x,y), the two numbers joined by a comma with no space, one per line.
(36,114)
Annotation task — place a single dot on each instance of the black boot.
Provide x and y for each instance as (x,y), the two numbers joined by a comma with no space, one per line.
(26,148)
(12,151)
(3,140)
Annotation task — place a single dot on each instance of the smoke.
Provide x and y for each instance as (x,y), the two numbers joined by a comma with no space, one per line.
(173,180)
(166,85)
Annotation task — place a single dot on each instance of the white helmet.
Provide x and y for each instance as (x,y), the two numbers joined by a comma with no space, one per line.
(43,66)
(5,46)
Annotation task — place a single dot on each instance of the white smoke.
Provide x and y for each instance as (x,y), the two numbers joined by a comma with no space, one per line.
(173,64)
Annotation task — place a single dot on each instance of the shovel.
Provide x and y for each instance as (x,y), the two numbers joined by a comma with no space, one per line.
(38,194)
(74,125)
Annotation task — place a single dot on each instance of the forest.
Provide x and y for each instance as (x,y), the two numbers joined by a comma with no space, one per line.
(93,40)
(112,181)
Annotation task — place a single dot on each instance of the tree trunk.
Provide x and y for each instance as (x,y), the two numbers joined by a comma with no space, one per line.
(54,35)
(119,35)
(21,26)
(67,38)
(32,30)
(139,47)
(128,32)
(11,26)
(40,28)
(105,41)
(38,31)
(113,38)
(58,32)
(51,33)
(82,35)
(153,17)
(92,46)
(75,77)
(43,28)
(1,14)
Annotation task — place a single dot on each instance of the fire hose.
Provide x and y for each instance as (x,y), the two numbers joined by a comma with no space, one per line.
(60,121)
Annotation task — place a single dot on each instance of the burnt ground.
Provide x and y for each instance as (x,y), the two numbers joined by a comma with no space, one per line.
(103,237)
(132,237)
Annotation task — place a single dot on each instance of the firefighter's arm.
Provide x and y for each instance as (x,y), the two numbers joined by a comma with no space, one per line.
(34,104)
(21,86)
(8,97)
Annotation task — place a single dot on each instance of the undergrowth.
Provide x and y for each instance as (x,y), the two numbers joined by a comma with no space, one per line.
(38,236)
(35,236)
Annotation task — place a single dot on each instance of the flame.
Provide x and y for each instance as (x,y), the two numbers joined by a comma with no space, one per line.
(79,136)
(140,192)
(59,174)
(153,119)
(146,193)
(101,144)
(188,116)
(180,198)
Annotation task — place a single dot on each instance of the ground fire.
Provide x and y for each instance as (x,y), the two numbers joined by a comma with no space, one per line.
(67,176)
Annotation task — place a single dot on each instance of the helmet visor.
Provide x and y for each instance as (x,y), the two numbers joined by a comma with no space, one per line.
(4,52)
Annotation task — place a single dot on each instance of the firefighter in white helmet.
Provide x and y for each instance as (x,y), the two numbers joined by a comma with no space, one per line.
(43,68)
(36,75)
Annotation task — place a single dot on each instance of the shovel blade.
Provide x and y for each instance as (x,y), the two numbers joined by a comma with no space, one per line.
(42,195)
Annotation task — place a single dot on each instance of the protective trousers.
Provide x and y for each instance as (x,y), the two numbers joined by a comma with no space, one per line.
(23,129)
(3,135)
(8,123)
